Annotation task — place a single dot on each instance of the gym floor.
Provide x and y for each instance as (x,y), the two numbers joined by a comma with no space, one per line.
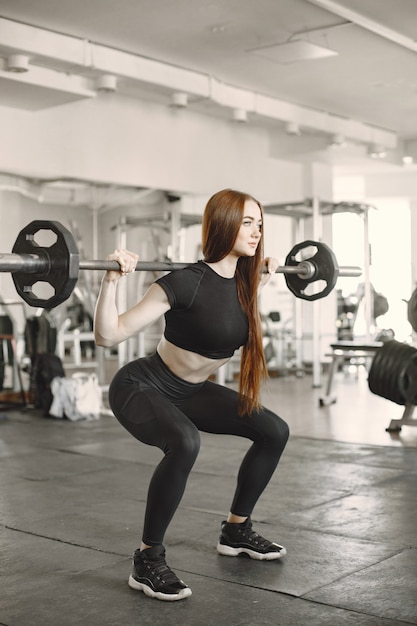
(343,501)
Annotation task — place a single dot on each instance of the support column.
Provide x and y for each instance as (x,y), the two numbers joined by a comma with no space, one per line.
(319,316)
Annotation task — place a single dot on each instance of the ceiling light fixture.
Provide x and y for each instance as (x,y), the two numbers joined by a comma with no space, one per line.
(292,128)
(377,151)
(337,140)
(293,51)
(106,83)
(240,116)
(18,63)
(409,153)
(179,100)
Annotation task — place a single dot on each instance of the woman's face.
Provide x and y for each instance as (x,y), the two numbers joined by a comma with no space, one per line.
(250,231)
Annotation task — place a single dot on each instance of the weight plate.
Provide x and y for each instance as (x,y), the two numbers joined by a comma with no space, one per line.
(408,380)
(61,264)
(390,375)
(412,310)
(326,269)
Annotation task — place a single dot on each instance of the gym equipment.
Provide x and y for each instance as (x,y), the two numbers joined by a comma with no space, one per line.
(58,265)
(412,310)
(343,352)
(393,375)
(325,268)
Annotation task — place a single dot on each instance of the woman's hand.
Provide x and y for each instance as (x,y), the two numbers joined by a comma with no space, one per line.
(270,265)
(127,261)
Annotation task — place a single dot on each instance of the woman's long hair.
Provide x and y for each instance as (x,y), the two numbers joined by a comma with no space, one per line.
(222,220)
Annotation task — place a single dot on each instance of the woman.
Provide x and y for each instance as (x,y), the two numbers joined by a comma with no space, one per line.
(165,399)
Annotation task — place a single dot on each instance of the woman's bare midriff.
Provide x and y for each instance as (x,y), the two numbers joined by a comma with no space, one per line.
(190,366)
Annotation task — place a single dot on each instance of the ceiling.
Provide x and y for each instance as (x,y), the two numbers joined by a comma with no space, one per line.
(253,58)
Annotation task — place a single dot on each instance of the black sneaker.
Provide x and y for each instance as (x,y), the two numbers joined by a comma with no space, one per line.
(238,539)
(151,574)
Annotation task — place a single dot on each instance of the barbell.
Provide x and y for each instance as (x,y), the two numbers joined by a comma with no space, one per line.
(59,264)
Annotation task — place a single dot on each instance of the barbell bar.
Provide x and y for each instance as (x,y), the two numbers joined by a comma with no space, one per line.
(31,263)
(59,265)
(304,269)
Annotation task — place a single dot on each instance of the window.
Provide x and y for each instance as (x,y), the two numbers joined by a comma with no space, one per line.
(390,250)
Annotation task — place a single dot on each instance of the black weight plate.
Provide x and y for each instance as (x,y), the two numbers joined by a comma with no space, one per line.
(326,269)
(61,264)
(386,375)
(412,310)
(408,380)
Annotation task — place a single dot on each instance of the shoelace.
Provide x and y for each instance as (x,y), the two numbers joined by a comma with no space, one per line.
(160,569)
(254,537)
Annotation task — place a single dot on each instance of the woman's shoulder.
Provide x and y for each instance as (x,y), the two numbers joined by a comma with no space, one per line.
(189,273)
(180,285)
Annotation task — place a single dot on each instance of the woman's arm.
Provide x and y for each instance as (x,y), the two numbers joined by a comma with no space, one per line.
(110,328)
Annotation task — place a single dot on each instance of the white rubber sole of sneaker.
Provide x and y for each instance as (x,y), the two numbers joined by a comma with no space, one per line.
(268,556)
(167,597)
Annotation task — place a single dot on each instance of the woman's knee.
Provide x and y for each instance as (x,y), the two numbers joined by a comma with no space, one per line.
(283,429)
(185,445)
(277,431)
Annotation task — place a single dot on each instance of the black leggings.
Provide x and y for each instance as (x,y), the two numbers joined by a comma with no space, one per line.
(162,410)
